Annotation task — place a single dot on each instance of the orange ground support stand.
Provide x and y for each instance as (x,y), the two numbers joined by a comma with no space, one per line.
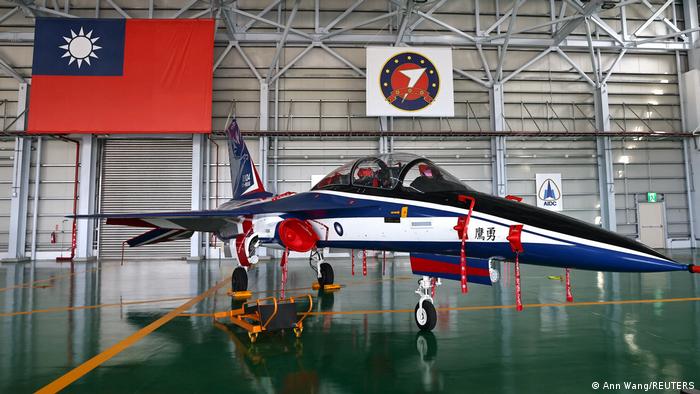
(268,314)
(331,287)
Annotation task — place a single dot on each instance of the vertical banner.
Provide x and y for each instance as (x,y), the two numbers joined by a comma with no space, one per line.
(549,191)
(415,81)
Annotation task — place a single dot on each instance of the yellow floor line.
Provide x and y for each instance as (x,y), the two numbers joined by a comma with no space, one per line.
(49,279)
(80,371)
(493,307)
(75,308)
(482,307)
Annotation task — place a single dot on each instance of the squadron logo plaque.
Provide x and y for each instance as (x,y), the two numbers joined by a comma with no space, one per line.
(409,81)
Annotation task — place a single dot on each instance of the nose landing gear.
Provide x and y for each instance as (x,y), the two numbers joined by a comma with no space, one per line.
(324,271)
(425,313)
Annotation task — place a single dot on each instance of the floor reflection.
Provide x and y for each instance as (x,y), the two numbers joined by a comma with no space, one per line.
(80,313)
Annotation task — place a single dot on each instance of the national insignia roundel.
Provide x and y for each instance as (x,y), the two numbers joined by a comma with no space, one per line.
(409,81)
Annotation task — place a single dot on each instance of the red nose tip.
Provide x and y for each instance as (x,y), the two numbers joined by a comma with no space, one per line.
(694,268)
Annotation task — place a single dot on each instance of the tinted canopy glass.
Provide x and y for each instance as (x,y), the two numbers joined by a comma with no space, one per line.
(393,171)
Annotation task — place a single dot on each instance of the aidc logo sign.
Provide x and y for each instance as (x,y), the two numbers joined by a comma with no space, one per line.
(549,191)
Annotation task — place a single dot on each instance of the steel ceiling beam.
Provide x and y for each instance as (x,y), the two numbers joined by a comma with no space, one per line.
(432,9)
(260,14)
(652,18)
(504,49)
(342,16)
(445,25)
(593,7)
(283,40)
(404,22)
(361,40)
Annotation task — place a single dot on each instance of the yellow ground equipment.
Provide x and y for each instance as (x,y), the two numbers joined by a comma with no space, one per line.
(331,287)
(240,295)
(268,314)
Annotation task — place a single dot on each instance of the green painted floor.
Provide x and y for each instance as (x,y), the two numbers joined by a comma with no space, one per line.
(542,349)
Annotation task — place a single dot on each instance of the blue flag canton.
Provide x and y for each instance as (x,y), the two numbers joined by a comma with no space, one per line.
(79,46)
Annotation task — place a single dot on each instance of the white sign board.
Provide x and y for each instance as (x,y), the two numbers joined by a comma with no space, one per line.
(415,81)
(549,191)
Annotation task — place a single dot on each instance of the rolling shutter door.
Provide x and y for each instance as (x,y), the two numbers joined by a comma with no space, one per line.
(144,176)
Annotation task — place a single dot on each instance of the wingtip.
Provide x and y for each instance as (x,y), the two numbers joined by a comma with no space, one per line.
(694,269)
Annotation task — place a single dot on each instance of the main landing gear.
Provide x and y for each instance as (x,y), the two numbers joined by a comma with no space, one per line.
(324,271)
(239,279)
(425,313)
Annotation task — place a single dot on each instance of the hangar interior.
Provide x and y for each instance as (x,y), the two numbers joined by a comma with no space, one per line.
(604,92)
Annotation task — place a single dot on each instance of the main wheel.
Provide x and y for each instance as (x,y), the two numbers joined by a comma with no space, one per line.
(239,279)
(327,275)
(426,316)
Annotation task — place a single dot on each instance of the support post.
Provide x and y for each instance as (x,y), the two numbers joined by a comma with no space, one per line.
(20,184)
(264,141)
(689,89)
(86,200)
(606,182)
(498,143)
(690,10)
(196,252)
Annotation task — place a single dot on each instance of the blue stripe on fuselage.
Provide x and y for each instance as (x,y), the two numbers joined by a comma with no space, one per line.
(572,256)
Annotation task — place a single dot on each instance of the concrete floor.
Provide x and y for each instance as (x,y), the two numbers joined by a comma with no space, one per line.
(545,348)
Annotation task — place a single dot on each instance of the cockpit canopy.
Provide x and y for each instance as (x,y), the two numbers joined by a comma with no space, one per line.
(392,171)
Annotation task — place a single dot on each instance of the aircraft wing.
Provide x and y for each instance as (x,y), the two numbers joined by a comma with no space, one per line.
(306,205)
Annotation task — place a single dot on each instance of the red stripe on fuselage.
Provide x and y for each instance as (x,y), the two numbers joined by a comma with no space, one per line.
(440,267)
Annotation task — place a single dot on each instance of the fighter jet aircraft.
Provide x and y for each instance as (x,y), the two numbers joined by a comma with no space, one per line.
(401,203)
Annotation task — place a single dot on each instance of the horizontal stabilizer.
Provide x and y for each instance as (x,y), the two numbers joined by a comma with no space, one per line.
(448,267)
(158,235)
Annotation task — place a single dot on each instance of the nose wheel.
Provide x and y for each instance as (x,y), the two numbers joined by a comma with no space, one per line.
(324,271)
(424,312)
(239,279)
(425,315)
(327,276)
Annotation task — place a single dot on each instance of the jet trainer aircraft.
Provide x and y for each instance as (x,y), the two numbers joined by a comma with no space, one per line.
(402,203)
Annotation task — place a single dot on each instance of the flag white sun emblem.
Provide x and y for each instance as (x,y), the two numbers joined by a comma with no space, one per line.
(80,47)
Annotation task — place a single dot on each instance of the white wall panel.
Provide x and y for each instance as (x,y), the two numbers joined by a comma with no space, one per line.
(575,159)
(56,191)
(652,166)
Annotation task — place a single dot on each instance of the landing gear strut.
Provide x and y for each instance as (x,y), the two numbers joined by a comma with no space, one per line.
(324,271)
(239,279)
(424,313)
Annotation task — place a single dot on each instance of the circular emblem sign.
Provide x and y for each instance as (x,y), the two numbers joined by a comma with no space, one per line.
(409,81)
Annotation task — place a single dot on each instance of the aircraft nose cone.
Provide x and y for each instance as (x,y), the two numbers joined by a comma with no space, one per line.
(562,241)
(603,250)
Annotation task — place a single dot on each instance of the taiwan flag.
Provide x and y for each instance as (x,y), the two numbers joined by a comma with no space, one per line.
(121,76)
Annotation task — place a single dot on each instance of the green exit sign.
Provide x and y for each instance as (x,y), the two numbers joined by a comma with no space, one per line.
(652,197)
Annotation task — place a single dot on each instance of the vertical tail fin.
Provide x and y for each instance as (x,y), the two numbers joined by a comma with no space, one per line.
(245,180)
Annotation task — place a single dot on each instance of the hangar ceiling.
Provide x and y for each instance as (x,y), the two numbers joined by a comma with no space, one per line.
(522,42)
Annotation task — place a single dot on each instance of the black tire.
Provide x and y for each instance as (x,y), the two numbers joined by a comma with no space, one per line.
(327,275)
(239,279)
(428,321)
